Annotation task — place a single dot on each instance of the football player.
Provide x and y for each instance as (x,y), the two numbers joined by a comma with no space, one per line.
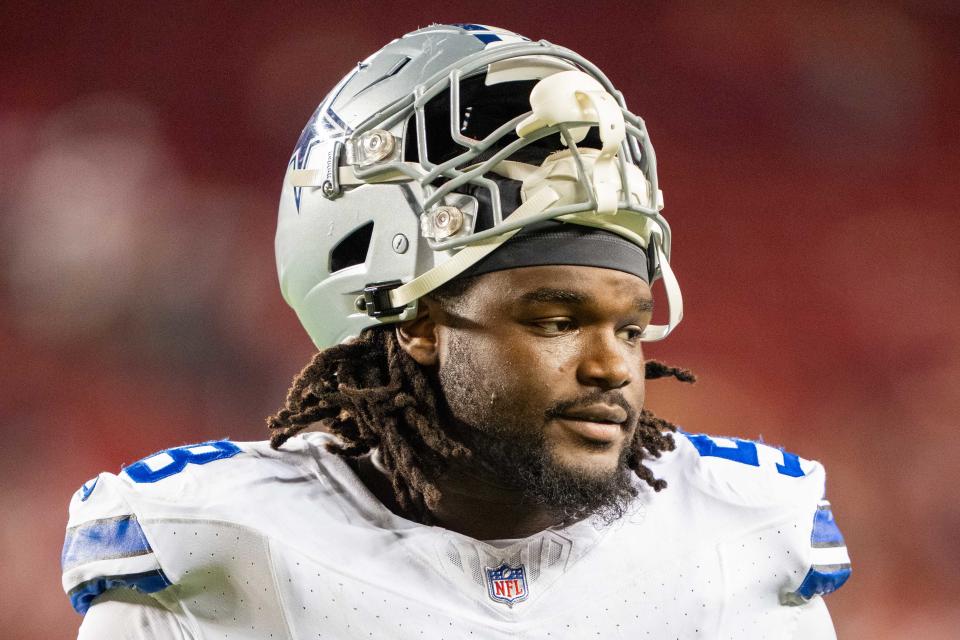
(468,229)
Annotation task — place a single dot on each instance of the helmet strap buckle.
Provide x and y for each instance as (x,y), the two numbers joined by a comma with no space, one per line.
(376,299)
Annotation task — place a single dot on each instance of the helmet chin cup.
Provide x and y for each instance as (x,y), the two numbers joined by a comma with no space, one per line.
(379,205)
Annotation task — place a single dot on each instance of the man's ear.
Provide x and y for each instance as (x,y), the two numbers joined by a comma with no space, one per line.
(419,337)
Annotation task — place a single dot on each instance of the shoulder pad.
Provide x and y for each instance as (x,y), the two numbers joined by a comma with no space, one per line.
(105,546)
(751,473)
(752,482)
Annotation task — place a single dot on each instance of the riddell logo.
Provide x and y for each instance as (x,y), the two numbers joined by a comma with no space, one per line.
(507,584)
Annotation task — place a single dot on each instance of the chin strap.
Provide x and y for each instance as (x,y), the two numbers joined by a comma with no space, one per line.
(469,255)
(655,332)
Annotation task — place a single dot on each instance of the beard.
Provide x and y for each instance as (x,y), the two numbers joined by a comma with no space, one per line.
(507,440)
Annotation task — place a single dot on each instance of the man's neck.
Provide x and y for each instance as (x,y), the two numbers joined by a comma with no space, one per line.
(471,503)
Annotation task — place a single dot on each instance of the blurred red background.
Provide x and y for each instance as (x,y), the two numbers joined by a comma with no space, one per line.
(809,157)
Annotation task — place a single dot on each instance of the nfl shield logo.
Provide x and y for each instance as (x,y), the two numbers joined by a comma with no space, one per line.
(507,584)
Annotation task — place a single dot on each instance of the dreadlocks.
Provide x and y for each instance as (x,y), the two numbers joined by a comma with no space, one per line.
(371,394)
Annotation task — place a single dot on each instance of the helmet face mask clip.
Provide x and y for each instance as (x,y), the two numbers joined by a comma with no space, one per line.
(457,151)
(372,147)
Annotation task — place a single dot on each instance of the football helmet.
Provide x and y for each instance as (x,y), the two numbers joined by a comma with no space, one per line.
(436,150)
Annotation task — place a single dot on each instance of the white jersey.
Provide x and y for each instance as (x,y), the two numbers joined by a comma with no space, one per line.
(240,541)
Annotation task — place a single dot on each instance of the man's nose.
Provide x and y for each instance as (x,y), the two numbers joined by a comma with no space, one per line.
(607,362)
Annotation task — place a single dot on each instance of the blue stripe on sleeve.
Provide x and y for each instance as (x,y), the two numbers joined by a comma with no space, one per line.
(826,533)
(103,540)
(821,580)
(83,595)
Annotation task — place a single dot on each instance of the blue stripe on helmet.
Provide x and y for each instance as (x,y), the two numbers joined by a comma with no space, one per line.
(485,38)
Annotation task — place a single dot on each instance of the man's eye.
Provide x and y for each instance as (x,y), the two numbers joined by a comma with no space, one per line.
(633,333)
(556,325)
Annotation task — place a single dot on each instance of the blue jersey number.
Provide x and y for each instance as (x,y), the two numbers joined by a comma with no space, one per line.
(744,452)
(172,461)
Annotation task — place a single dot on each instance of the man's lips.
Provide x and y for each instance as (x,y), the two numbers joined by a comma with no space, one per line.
(600,423)
(605,413)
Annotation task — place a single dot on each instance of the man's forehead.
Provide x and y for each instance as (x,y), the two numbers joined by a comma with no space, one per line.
(571,295)
(565,284)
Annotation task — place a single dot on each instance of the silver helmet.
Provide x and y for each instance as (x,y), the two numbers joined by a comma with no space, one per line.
(434,152)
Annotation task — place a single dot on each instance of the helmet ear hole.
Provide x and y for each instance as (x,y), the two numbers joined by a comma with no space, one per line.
(353,249)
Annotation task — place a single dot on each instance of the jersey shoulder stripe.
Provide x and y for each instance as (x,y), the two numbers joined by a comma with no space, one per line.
(107,539)
(826,533)
(83,595)
(830,564)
